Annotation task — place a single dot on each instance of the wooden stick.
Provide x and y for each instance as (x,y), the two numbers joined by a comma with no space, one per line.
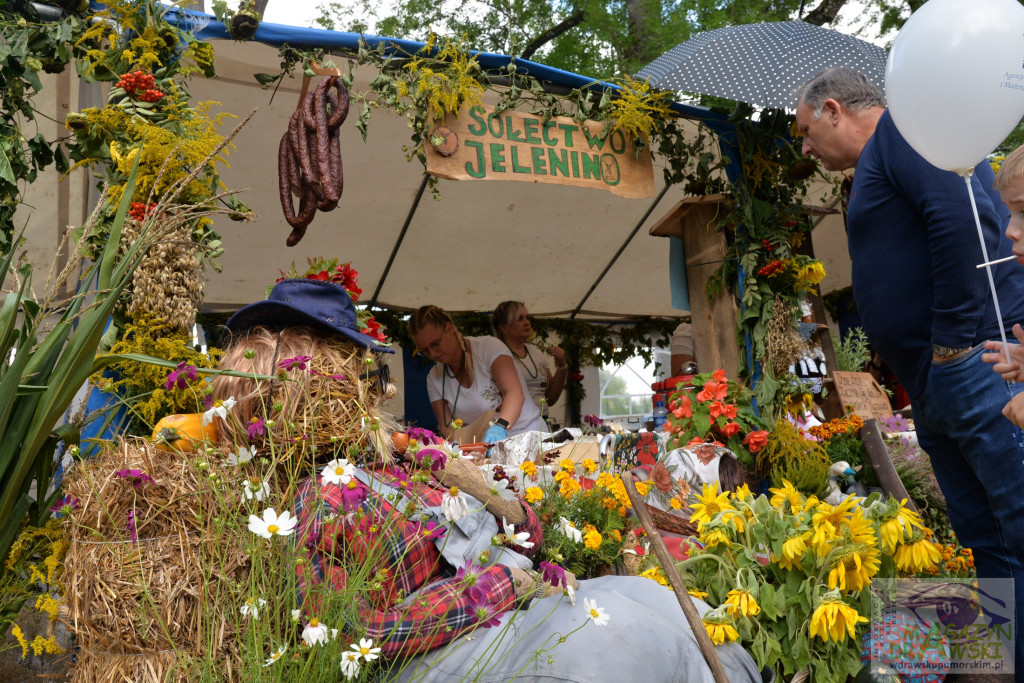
(707,648)
(319,71)
(881,461)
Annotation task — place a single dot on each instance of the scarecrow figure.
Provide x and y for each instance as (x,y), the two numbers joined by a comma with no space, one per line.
(452,590)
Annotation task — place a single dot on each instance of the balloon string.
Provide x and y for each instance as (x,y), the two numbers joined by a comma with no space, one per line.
(988,266)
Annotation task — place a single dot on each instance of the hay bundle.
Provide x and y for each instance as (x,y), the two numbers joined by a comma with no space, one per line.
(783,344)
(320,402)
(142,608)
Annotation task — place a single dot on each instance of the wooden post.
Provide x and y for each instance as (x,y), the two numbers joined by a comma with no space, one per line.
(707,648)
(695,221)
(831,406)
(878,454)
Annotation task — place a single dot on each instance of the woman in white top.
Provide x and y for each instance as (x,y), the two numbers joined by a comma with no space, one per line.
(471,375)
(511,323)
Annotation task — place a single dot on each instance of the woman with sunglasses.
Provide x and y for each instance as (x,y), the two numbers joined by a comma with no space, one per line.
(471,375)
(511,323)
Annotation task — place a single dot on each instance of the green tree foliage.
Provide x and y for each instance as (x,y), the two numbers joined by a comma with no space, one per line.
(593,37)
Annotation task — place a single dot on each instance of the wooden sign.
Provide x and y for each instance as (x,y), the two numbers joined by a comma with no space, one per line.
(482,145)
(860,390)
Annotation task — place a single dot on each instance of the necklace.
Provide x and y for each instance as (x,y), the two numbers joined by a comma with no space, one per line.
(526,354)
(448,372)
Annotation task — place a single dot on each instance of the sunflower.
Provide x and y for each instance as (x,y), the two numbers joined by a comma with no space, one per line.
(833,619)
(787,494)
(793,550)
(741,602)
(897,524)
(710,504)
(828,523)
(718,623)
(711,535)
(917,555)
(742,492)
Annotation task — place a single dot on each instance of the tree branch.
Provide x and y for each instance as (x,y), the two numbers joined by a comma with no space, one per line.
(567,24)
(825,13)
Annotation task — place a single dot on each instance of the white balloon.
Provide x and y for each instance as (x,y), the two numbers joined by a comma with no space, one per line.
(955,79)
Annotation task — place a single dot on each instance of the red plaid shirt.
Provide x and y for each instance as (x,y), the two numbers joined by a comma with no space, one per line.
(399,559)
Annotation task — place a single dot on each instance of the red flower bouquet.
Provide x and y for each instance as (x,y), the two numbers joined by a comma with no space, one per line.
(711,408)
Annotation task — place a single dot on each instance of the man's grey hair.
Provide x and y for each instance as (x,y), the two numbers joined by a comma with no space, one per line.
(849,88)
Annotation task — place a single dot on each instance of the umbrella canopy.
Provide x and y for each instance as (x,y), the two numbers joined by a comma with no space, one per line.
(762,64)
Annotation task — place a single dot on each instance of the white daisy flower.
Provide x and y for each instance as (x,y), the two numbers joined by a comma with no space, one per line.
(275,656)
(501,490)
(366,650)
(295,615)
(571,594)
(570,530)
(315,632)
(350,665)
(220,409)
(338,472)
(454,504)
(595,613)
(243,455)
(272,524)
(518,539)
(255,489)
(252,608)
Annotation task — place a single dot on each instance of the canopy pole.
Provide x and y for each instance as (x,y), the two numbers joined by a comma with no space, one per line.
(398,242)
(625,244)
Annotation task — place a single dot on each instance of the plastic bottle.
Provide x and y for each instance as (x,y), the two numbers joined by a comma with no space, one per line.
(660,415)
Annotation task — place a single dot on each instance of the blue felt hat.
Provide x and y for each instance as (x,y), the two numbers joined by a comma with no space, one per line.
(322,305)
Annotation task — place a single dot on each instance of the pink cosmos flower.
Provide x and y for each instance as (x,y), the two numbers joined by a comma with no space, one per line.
(181,376)
(553,574)
(257,427)
(353,494)
(136,477)
(131,527)
(296,363)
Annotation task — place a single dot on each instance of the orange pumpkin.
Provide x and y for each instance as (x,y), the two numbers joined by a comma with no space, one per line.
(181,433)
(401,441)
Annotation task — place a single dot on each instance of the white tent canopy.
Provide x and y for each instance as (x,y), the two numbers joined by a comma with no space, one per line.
(555,247)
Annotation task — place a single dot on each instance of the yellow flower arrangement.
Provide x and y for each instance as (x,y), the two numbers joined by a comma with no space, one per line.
(747,572)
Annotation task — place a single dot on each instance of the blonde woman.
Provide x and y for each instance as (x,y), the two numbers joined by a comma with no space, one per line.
(471,376)
(511,323)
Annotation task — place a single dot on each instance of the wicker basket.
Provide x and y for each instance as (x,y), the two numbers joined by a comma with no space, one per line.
(675,524)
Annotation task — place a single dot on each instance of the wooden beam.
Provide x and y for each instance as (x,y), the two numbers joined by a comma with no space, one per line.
(878,455)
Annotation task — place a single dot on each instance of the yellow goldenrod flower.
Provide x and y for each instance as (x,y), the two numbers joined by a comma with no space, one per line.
(741,603)
(20,637)
(834,620)
(917,555)
(534,494)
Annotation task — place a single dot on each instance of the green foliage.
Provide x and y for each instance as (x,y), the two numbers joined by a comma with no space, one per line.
(849,448)
(28,45)
(853,352)
(48,365)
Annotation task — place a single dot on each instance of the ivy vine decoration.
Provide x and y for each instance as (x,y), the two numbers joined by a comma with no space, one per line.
(444,77)
(149,61)
(28,45)
(765,226)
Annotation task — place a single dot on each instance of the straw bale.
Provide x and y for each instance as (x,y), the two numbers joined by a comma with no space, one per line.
(137,607)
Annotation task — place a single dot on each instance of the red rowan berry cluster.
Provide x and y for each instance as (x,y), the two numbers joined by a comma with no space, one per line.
(140,85)
(773,268)
(139,210)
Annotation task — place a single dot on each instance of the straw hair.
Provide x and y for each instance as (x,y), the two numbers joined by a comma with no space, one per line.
(331,398)
(137,608)
(1010,170)
(504,315)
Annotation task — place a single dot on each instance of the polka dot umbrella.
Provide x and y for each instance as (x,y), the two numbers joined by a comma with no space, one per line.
(762,64)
